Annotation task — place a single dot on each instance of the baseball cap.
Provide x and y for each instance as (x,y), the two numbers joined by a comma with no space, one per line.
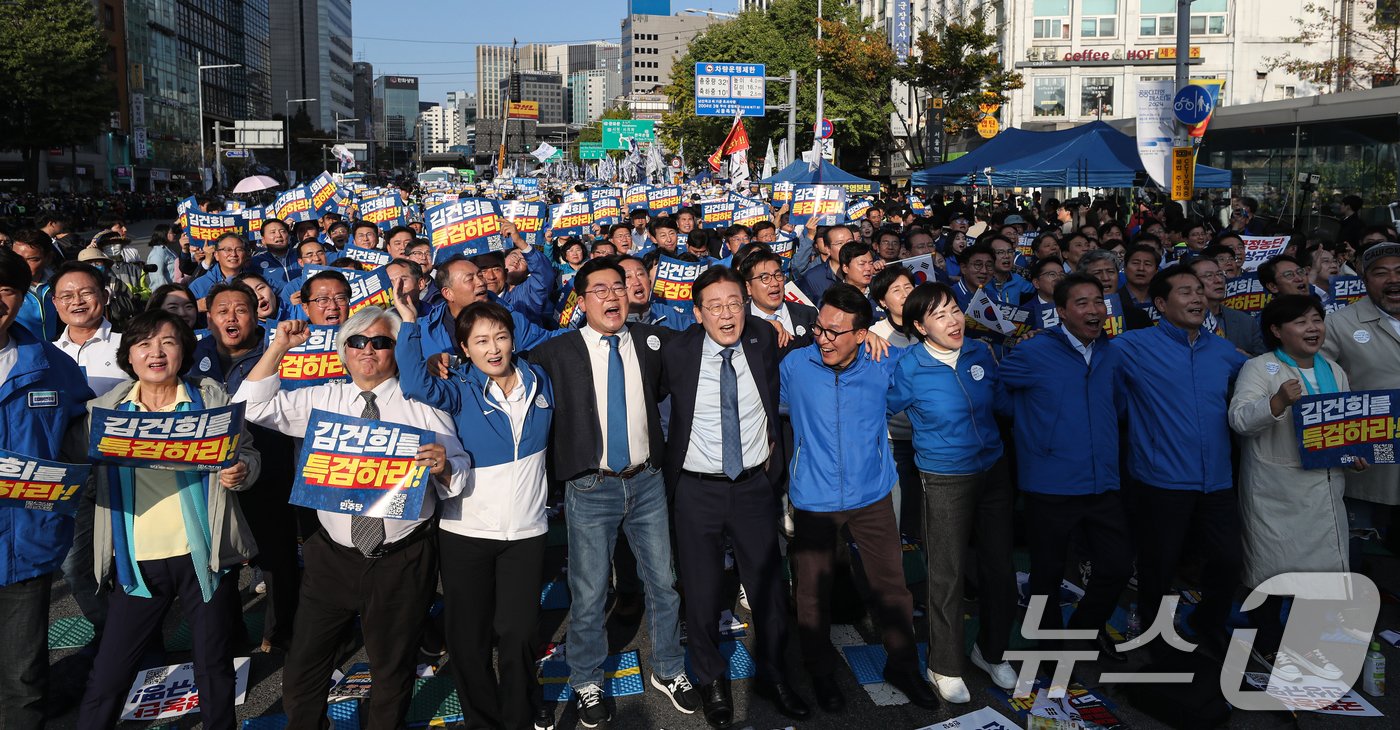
(1014,220)
(1377,252)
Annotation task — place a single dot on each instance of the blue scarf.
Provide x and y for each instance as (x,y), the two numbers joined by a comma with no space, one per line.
(1326,382)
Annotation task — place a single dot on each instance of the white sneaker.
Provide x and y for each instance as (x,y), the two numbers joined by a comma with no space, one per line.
(789,527)
(1002,674)
(951,689)
(744,598)
(1314,662)
(1283,666)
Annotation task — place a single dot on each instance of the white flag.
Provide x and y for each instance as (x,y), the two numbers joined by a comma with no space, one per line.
(784,155)
(768,162)
(985,312)
(739,169)
(544,152)
(792,294)
(921,267)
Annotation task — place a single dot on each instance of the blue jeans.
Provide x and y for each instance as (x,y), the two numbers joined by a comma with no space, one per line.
(595,506)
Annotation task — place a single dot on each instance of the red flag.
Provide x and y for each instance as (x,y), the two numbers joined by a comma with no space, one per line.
(736,140)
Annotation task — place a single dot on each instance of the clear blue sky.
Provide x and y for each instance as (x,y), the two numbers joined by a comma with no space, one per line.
(436,40)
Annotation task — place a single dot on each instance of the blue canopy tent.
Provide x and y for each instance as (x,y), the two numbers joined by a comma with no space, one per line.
(1092,155)
(826,174)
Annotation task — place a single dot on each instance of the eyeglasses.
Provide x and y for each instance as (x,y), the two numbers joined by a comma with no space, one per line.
(733,306)
(601,292)
(821,333)
(323,302)
(240,249)
(1291,274)
(1208,275)
(769,277)
(379,342)
(86,295)
(1003,251)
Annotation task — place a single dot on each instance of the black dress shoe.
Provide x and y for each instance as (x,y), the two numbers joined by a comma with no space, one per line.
(829,696)
(717,704)
(1108,649)
(784,698)
(914,687)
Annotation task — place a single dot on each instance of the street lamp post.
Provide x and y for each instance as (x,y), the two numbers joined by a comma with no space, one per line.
(199,88)
(339,120)
(287,119)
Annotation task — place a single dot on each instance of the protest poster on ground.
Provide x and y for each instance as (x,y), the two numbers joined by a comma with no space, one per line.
(467,227)
(528,217)
(165,692)
(572,218)
(353,685)
(203,440)
(385,210)
(358,466)
(372,256)
(1244,293)
(206,228)
(983,719)
(1313,694)
(1258,249)
(315,362)
(664,200)
(675,277)
(1335,429)
(827,203)
(27,482)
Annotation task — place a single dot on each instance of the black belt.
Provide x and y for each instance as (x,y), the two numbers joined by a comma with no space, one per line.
(745,474)
(627,473)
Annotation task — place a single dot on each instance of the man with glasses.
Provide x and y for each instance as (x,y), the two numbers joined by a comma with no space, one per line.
(1006,286)
(975,263)
(326,298)
(762,272)
(844,477)
(1046,273)
(608,448)
(230,260)
(1240,328)
(725,463)
(309,253)
(1284,275)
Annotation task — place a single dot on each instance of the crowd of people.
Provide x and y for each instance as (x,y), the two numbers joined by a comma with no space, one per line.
(1141,423)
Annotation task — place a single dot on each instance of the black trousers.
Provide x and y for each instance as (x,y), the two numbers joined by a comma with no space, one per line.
(493,587)
(391,595)
(748,512)
(1100,525)
(134,622)
(813,554)
(273,523)
(1169,520)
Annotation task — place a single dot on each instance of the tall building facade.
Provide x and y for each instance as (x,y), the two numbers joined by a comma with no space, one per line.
(493,64)
(313,57)
(591,92)
(651,44)
(396,112)
(363,107)
(547,89)
(442,129)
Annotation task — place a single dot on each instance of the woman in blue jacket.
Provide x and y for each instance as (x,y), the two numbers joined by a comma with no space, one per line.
(948,387)
(492,536)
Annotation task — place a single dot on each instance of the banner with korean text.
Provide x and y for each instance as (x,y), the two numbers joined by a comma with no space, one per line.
(529,219)
(665,200)
(161,693)
(470,227)
(607,210)
(206,228)
(294,206)
(357,466)
(674,279)
(314,363)
(635,198)
(205,440)
(39,484)
(1335,429)
(372,256)
(367,288)
(1245,293)
(1258,249)
(573,218)
(826,202)
(385,211)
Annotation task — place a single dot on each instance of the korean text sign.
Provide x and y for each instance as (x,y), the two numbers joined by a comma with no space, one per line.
(469,226)
(361,467)
(315,362)
(38,484)
(675,277)
(204,440)
(1335,429)
(826,202)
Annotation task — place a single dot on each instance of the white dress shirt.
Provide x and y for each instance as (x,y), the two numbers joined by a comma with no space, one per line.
(784,317)
(9,358)
(1087,350)
(638,439)
(705,453)
(289,412)
(97,357)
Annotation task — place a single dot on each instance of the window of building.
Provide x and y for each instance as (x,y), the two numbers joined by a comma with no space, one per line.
(1099,19)
(1049,96)
(1096,96)
(1051,19)
(1159,17)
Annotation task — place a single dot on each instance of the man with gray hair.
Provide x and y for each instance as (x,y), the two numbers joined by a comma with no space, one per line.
(382,570)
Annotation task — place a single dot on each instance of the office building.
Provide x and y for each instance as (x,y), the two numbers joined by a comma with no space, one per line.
(442,129)
(396,110)
(312,57)
(364,100)
(546,89)
(493,63)
(651,44)
(591,93)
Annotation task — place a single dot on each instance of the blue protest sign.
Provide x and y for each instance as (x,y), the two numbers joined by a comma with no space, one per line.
(315,362)
(358,466)
(39,484)
(573,218)
(1335,429)
(468,226)
(826,202)
(372,256)
(205,440)
(385,210)
(528,217)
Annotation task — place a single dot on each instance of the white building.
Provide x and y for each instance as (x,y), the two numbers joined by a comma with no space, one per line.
(591,92)
(442,128)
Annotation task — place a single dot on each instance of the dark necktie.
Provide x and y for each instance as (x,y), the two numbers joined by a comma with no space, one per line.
(619,455)
(731,443)
(367,533)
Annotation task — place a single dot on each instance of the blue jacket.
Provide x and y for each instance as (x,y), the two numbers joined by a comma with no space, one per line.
(1066,414)
(532,297)
(817,280)
(1012,292)
(955,430)
(841,459)
(439,332)
(284,267)
(38,314)
(207,364)
(1177,396)
(39,402)
(962,294)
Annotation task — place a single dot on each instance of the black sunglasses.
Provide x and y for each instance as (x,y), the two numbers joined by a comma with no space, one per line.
(380,342)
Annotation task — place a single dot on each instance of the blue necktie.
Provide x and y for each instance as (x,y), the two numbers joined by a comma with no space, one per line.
(619,454)
(731,444)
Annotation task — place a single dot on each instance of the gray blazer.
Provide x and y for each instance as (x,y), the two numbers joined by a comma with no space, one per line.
(1360,339)
(1242,330)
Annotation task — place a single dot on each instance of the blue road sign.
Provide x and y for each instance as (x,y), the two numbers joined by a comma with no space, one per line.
(824,129)
(1192,104)
(726,89)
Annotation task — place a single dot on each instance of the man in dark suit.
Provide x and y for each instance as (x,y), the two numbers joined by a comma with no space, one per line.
(607,447)
(762,272)
(725,462)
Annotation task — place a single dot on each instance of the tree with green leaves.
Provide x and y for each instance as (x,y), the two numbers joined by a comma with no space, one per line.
(1363,38)
(857,67)
(958,62)
(52,78)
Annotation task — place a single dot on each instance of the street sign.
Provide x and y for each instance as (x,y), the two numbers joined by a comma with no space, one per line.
(726,89)
(591,151)
(257,134)
(236,153)
(1183,172)
(1192,105)
(616,132)
(824,129)
(988,127)
(990,106)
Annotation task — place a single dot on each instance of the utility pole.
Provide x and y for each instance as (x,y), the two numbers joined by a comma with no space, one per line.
(512,92)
